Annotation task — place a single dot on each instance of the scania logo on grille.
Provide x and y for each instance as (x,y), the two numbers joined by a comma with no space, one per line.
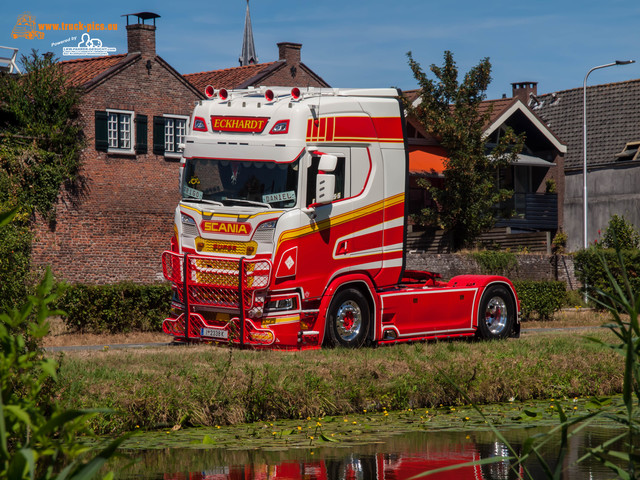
(231,228)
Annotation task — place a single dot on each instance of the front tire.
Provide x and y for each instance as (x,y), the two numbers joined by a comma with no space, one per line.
(497,313)
(348,319)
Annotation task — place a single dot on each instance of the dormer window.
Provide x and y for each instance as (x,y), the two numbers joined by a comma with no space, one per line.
(629,152)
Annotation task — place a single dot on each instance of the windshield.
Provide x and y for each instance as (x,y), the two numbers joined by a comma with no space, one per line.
(233,182)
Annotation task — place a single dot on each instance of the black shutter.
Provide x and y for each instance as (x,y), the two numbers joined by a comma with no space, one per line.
(102,139)
(141,134)
(158,135)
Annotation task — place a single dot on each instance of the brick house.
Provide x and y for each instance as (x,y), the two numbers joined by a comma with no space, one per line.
(287,71)
(613,141)
(538,169)
(134,112)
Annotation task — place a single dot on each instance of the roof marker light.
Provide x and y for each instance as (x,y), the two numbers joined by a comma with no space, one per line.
(209,91)
(269,95)
(295,93)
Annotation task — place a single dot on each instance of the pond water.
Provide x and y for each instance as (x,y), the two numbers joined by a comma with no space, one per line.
(394,457)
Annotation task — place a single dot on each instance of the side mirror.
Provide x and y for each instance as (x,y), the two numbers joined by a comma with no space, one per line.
(328,163)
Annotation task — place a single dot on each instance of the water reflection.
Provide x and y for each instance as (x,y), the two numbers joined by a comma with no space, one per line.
(396,458)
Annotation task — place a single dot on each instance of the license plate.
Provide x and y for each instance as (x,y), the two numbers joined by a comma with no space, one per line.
(214,333)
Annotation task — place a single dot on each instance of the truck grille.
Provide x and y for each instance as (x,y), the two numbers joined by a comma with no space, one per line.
(215,281)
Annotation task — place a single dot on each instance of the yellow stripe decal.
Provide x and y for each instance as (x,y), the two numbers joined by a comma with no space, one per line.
(340,219)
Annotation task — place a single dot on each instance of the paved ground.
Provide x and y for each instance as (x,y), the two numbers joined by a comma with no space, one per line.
(169,343)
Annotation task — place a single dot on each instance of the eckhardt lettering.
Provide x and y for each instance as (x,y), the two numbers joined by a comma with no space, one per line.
(226,227)
(238,124)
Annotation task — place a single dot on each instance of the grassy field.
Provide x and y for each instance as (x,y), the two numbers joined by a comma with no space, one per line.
(205,385)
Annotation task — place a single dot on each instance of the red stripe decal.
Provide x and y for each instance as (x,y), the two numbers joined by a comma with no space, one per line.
(388,128)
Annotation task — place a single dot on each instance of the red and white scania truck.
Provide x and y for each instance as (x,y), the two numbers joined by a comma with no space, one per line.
(292,224)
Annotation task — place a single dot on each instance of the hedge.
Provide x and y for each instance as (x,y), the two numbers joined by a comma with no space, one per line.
(116,308)
(15,252)
(129,307)
(590,270)
(540,298)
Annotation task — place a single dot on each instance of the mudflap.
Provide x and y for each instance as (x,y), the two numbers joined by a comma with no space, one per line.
(515,333)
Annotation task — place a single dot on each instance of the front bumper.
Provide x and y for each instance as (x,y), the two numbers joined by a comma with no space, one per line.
(222,300)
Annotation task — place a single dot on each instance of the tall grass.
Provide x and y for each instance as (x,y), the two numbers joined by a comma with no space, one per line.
(623,304)
(205,385)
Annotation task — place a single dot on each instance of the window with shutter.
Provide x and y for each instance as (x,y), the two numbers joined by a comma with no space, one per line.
(120,131)
(158,135)
(141,134)
(102,143)
(169,134)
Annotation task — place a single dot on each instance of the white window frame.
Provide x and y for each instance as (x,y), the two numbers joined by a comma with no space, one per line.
(117,138)
(174,141)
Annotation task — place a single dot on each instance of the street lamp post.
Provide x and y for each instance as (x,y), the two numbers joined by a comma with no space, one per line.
(584,146)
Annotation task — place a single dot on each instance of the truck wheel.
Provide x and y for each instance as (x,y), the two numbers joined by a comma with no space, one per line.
(496,315)
(348,319)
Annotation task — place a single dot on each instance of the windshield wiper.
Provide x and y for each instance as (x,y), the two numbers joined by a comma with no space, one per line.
(204,200)
(248,202)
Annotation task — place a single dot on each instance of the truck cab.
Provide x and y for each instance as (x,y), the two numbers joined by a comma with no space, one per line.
(290,231)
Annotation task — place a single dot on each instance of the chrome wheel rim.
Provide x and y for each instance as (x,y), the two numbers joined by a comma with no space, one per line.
(496,315)
(348,320)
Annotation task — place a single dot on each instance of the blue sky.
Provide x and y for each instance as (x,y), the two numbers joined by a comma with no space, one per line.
(364,43)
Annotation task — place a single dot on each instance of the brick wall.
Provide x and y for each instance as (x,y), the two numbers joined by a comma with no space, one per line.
(530,267)
(118,228)
(141,38)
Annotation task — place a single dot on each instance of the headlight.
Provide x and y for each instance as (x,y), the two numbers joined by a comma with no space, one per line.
(189,226)
(265,231)
(187,220)
(280,304)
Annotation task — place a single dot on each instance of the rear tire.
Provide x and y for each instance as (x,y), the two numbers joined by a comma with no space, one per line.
(497,313)
(348,319)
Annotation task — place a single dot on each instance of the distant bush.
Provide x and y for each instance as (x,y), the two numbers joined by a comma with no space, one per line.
(116,308)
(540,298)
(589,266)
(493,262)
(621,234)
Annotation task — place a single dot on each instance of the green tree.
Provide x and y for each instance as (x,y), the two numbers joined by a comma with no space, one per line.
(40,135)
(40,145)
(451,112)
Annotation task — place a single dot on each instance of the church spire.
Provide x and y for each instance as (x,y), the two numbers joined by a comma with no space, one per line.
(248,55)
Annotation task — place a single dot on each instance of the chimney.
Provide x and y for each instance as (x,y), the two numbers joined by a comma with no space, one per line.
(141,37)
(523,90)
(289,52)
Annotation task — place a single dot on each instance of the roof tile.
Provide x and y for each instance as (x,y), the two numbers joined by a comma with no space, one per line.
(227,78)
(82,70)
(613,119)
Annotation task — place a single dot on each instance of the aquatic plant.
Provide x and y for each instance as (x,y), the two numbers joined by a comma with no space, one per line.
(38,440)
